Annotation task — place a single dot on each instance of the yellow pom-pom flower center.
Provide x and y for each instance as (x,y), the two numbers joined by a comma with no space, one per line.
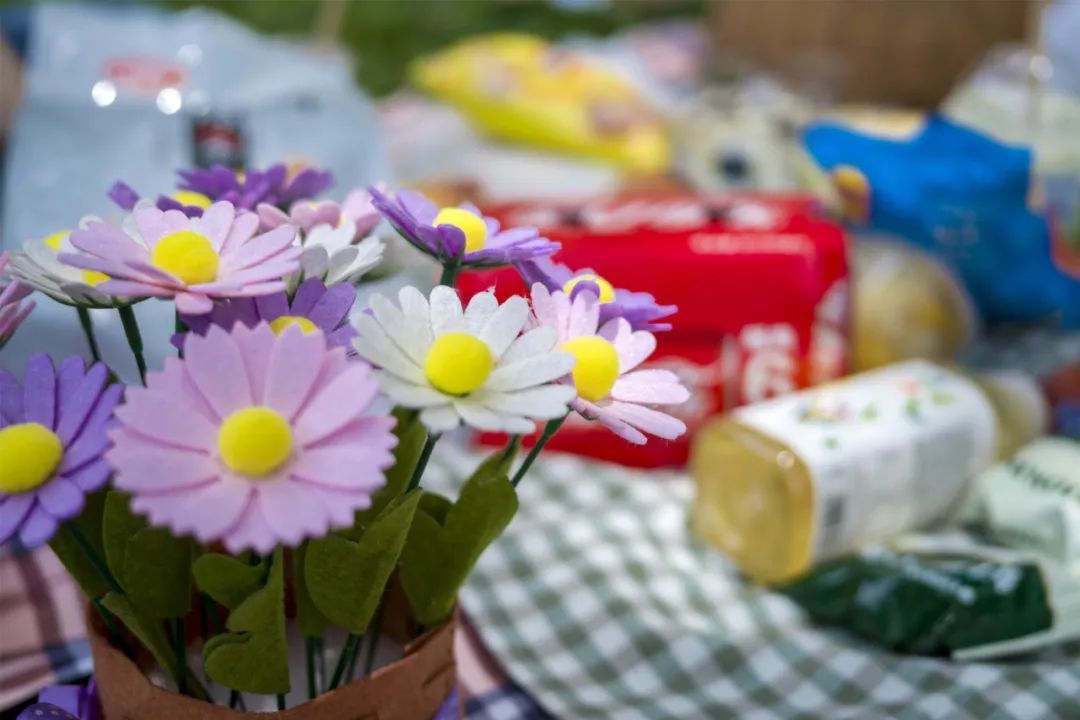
(596,368)
(93,278)
(54,241)
(255,441)
(607,290)
(187,255)
(278,325)
(29,455)
(469,223)
(458,363)
(190,197)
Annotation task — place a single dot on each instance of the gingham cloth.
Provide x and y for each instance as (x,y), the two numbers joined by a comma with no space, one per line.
(600,604)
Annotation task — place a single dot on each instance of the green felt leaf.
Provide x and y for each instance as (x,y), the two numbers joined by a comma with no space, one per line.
(148,630)
(73,557)
(151,565)
(440,553)
(253,655)
(436,506)
(346,578)
(411,437)
(228,580)
(312,622)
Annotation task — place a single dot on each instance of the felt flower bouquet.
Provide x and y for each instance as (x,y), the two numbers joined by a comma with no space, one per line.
(267,482)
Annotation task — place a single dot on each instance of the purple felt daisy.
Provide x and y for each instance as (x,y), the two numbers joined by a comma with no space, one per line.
(637,308)
(66,702)
(246,190)
(314,306)
(192,260)
(12,310)
(459,232)
(53,433)
(200,188)
(253,439)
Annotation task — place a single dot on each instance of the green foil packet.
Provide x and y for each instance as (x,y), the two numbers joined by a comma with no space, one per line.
(945,595)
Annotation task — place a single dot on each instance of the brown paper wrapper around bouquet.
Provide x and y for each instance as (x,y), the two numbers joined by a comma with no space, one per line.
(412,688)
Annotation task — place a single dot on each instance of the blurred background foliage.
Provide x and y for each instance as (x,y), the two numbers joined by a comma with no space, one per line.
(385,35)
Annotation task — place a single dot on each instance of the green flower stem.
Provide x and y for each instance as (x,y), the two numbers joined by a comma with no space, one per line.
(280,701)
(373,644)
(310,649)
(549,432)
(88,550)
(351,670)
(181,328)
(88,331)
(421,463)
(180,648)
(450,271)
(134,338)
(352,643)
(236,700)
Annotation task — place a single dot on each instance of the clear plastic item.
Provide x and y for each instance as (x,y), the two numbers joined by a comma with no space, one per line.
(813,475)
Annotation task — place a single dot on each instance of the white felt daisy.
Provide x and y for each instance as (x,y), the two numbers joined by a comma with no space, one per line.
(38,266)
(469,365)
(331,255)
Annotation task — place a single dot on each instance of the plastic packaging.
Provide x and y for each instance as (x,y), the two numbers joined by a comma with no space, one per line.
(945,595)
(787,483)
(518,87)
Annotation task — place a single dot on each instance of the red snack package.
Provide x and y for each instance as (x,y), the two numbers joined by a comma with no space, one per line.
(761,282)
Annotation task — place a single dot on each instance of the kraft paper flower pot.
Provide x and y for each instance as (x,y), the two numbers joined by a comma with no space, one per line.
(412,688)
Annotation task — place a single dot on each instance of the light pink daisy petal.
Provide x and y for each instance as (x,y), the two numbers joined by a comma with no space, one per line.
(270,215)
(633,348)
(648,420)
(258,250)
(143,466)
(167,418)
(584,315)
(336,404)
(340,506)
(277,268)
(130,288)
(243,228)
(654,387)
(153,224)
(108,242)
(290,511)
(153,274)
(208,512)
(256,345)
(261,288)
(216,366)
(340,466)
(252,532)
(292,369)
(192,304)
(215,223)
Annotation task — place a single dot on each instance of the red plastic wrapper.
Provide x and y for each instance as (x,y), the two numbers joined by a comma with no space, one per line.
(761,282)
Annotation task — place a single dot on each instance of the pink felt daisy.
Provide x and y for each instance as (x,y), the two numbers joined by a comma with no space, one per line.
(193,260)
(610,390)
(356,212)
(253,439)
(12,310)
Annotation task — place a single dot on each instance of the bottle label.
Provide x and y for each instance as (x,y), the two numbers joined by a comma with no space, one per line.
(887,450)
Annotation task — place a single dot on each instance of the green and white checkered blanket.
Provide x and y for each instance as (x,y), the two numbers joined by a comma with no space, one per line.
(600,604)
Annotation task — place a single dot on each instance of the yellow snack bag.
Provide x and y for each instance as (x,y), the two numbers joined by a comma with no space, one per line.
(520,88)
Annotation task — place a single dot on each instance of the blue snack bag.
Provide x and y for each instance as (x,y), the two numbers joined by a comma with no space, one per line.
(963,197)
